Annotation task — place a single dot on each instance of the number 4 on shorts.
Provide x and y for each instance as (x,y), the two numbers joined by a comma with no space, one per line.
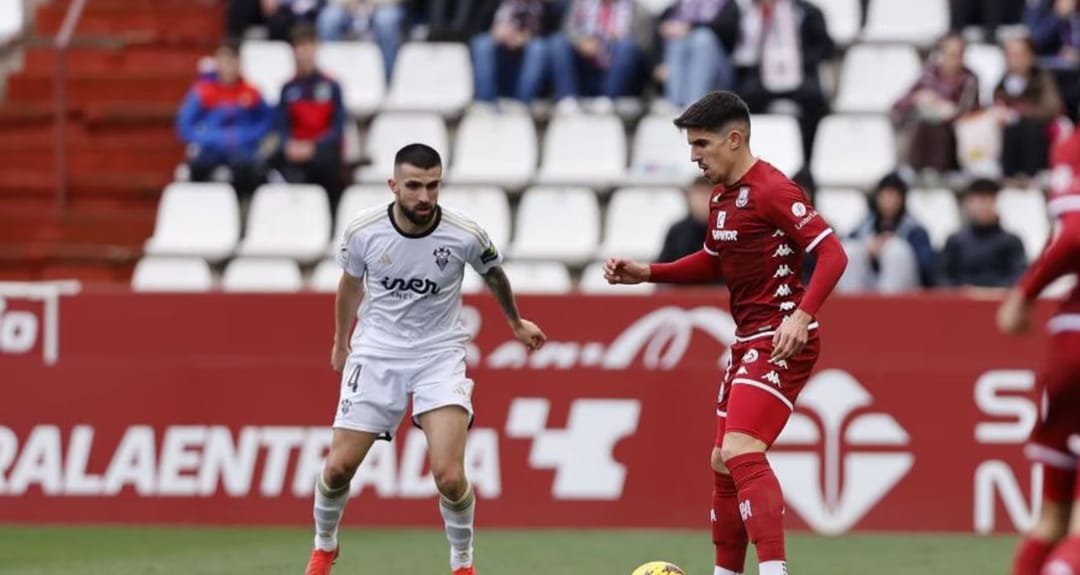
(354,378)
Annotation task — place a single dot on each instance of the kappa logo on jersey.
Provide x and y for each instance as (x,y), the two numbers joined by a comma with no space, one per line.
(783,251)
(593,428)
(783,271)
(744,197)
(442,257)
(781,363)
(857,459)
(787,306)
(783,291)
(416,285)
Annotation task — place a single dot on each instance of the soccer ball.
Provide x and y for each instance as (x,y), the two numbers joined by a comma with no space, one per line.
(658,568)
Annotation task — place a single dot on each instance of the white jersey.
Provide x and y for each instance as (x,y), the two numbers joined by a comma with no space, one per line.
(412,304)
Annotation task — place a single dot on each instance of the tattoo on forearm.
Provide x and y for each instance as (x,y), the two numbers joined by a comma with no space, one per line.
(499,285)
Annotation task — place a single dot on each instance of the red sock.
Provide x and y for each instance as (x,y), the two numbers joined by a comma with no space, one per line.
(728,532)
(1031,555)
(761,504)
(1065,560)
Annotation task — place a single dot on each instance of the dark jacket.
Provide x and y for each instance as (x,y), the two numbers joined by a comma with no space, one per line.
(311,109)
(983,257)
(817,45)
(725,24)
(683,238)
(230,120)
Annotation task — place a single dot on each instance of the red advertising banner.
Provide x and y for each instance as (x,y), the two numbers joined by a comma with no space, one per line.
(214,409)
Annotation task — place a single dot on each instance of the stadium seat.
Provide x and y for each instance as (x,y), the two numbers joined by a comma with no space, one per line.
(12,20)
(843,19)
(919,22)
(431,77)
(584,149)
(262,275)
(196,220)
(289,221)
(1023,212)
(937,211)
(873,77)
(592,281)
(844,209)
(660,155)
(777,139)
(498,149)
(557,224)
(538,277)
(637,220)
(853,151)
(326,276)
(487,206)
(389,132)
(162,274)
(358,67)
(268,65)
(987,61)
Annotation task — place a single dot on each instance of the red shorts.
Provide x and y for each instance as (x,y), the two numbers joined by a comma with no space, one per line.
(757,394)
(1060,379)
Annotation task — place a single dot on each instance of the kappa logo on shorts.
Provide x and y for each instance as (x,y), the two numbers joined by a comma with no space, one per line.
(773,378)
(857,459)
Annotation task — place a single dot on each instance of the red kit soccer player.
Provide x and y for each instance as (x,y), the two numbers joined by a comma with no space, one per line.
(760,225)
(1053,546)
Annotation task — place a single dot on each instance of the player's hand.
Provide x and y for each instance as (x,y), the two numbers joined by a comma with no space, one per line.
(529,334)
(338,356)
(1012,316)
(620,271)
(792,335)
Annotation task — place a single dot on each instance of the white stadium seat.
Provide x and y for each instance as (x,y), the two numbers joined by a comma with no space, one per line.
(196,220)
(919,22)
(487,206)
(844,209)
(592,281)
(987,61)
(1023,212)
(584,150)
(875,77)
(326,276)
(538,277)
(499,149)
(557,224)
(358,67)
(937,211)
(843,19)
(661,155)
(431,77)
(268,65)
(637,220)
(287,220)
(777,139)
(262,275)
(158,274)
(12,20)
(390,132)
(853,151)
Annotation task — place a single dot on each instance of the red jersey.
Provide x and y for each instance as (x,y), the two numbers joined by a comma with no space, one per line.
(760,227)
(1060,257)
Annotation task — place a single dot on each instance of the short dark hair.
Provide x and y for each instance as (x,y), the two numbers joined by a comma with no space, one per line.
(892,180)
(302,33)
(422,156)
(713,111)
(983,186)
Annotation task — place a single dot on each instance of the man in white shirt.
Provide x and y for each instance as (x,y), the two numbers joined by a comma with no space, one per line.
(405,262)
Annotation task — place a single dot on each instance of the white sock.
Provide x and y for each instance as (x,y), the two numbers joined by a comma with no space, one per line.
(773,568)
(329,506)
(722,571)
(458,516)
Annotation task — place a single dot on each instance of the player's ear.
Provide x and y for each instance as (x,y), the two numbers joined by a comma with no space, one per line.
(392,184)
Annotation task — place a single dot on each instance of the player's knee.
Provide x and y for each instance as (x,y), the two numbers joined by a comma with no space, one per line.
(337,473)
(717,461)
(450,481)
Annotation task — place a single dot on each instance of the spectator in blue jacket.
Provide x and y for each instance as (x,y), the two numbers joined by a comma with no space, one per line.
(890,251)
(223,120)
(311,121)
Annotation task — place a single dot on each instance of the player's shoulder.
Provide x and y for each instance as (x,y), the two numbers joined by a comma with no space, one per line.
(463,225)
(366,221)
(778,186)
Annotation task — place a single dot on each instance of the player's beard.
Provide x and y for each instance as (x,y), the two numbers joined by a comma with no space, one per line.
(417,218)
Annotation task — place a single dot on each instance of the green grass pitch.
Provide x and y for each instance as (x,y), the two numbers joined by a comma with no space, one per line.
(262,551)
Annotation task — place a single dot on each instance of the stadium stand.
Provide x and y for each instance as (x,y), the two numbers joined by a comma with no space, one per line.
(262,275)
(937,210)
(432,77)
(592,281)
(583,150)
(844,208)
(853,150)
(875,77)
(288,221)
(268,65)
(539,277)
(578,215)
(153,274)
(358,66)
(196,220)
(325,277)
(637,219)
(660,155)
(498,149)
(917,22)
(778,140)
(390,131)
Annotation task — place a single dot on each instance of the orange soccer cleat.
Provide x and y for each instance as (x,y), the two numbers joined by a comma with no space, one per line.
(470,570)
(321,562)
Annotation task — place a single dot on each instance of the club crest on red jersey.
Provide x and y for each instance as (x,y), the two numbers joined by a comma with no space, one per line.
(744,197)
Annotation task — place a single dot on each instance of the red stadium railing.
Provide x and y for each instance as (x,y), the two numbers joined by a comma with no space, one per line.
(60,105)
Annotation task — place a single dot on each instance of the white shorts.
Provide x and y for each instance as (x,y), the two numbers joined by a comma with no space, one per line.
(375,390)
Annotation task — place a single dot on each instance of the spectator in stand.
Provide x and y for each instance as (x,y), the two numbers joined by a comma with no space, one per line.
(380,20)
(890,251)
(781,46)
(279,16)
(697,37)
(599,51)
(1055,32)
(223,120)
(458,20)
(982,253)
(946,91)
(513,57)
(311,121)
(1026,102)
(990,14)
(686,236)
